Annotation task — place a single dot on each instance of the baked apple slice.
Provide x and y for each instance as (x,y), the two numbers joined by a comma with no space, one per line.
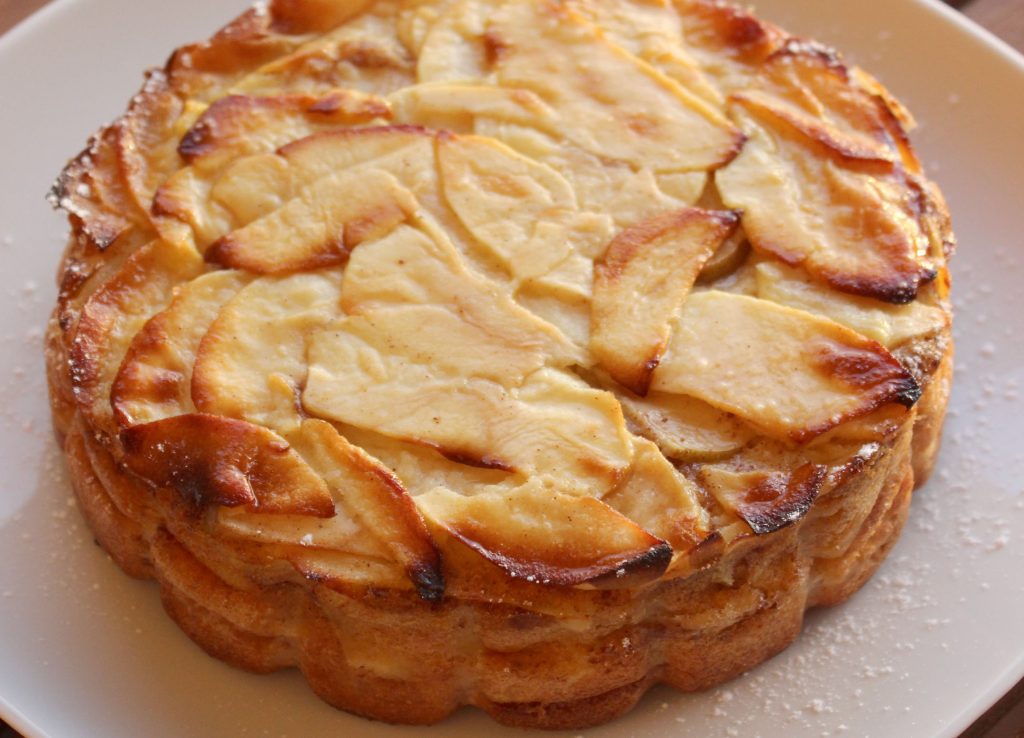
(155,378)
(115,312)
(545,536)
(790,374)
(851,224)
(373,495)
(510,203)
(211,460)
(765,500)
(641,281)
(660,500)
(320,227)
(684,428)
(236,376)
(890,325)
(610,102)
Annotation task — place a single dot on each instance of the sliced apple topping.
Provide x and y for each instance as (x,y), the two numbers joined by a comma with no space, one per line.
(791,374)
(320,227)
(211,460)
(611,103)
(852,225)
(374,496)
(115,312)
(640,283)
(456,46)
(240,125)
(651,31)
(363,53)
(457,106)
(313,16)
(548,537)
(415,373)
(766,500)
(409,267)
(155,378)
(660,500)
(890,325)
(686,429)
(511,204)
(810,87)
(727,41)
(252,360)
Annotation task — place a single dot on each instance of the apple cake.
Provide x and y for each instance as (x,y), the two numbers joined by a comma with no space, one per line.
(518,354)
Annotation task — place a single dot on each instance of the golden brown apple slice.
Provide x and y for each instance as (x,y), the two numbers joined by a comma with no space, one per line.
(641,281)
(547,537)
(236,375)
(239,125)
(313,16)
(727,41)
(767,501)
(115,312)
(660,500)
(890,325)
(610,102)
(320,227)
(852,225)
(155,378)
(210,460)
(254,186)
(376,497)
(685,428)
(791,374)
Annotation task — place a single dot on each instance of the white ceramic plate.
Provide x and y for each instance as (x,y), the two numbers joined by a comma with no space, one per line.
(928,645)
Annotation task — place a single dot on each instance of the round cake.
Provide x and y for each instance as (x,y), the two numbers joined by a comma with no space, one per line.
(517,354)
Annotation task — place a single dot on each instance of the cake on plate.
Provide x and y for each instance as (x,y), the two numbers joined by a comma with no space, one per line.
(519,354)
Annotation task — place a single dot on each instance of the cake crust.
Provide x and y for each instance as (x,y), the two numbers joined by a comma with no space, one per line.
(239,281)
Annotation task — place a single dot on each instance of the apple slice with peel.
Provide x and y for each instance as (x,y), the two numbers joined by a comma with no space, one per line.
(686,429)
(374,496)
(155,378)
(547,537)
(641,281)
(890,325)
(320,227)
(767,501)
(115,312)
(211,460)
(790,374)
(852,224)
(236,375)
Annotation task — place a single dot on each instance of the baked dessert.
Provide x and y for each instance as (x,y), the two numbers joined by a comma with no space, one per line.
(514,354)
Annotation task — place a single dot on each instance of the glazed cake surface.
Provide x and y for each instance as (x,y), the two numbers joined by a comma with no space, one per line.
(516,354)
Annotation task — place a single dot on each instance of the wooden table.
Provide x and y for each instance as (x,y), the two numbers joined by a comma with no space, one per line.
(1005,18)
